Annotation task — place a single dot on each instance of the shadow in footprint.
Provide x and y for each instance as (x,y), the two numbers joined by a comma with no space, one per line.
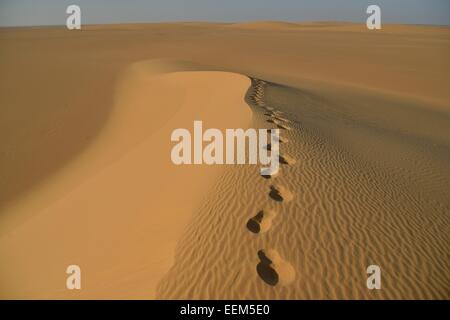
(282,140)
(285,159)
(268,173)
(262,222)
(265,271)
(273,269)
(282,126)
(254,224)
(275,195)
(280,193)
(281,119)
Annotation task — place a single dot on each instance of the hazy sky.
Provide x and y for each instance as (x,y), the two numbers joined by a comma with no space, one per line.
(50,12)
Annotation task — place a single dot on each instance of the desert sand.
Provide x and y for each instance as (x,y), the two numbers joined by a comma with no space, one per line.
(86,176)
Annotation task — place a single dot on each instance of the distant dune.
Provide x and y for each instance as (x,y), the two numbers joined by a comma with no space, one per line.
(338,26)
(281,25)
(272,25)
(86,176)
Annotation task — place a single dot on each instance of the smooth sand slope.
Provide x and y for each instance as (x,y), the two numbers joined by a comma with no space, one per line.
(85,124)
(118,207)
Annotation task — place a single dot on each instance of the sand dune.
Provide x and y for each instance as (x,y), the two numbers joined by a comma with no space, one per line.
(270,25)
(87,177)
(339,26)
(123,182)
(311,231)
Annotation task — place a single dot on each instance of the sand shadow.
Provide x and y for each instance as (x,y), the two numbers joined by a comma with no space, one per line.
(280,193)
(262,222)
(287,160)
(275,195)
(265,271)
(254,224)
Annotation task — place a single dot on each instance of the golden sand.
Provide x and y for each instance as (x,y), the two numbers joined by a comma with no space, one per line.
(86,176)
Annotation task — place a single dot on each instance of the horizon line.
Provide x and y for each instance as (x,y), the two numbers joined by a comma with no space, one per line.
(225,22)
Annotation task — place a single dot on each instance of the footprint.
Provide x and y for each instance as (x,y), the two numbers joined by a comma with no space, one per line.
(282,140)
(271,120)
(281,119)
(280,193)
(285,159)
(272,112)
(268,147)
(283,126)
(279,138)
(273,269)
(261,222)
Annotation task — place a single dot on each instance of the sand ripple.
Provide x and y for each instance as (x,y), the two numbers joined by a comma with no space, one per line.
(344,214)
